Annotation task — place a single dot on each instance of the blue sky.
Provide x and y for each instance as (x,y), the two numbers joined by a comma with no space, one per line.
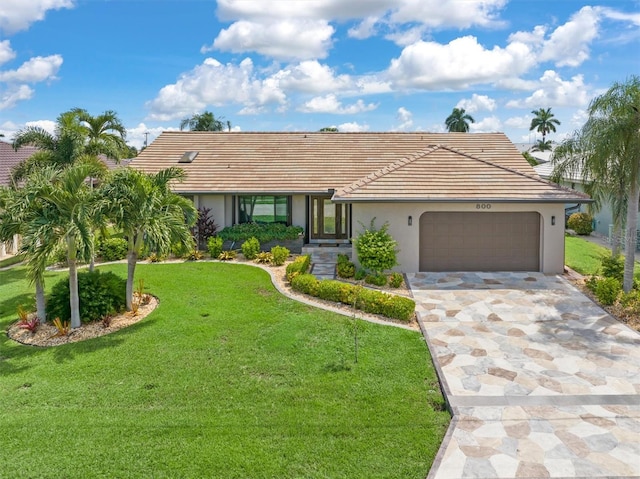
(293,65)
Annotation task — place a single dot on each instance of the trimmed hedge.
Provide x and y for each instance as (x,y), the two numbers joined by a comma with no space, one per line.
(369,301)
(263,232)
(112,249)
(300,265)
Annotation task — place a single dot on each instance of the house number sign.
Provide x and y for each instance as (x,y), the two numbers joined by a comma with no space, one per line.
(483,206)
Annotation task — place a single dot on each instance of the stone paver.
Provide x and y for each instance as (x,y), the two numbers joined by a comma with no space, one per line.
(541,381)
(324,259)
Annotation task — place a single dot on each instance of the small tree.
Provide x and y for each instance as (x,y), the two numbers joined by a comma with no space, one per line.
(204,228)
(376,248)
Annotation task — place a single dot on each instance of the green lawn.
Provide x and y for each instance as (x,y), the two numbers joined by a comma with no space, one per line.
(585,257)
(226,379)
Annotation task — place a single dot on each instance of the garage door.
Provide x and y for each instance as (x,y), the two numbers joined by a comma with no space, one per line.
(455,241)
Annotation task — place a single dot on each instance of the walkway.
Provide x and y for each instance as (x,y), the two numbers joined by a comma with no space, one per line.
(542,382)
(324,259)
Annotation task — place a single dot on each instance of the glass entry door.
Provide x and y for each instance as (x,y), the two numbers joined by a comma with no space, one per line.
(329,221)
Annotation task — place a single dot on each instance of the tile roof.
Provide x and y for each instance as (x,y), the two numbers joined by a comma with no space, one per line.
(441,173)
(289,163)
(9,158)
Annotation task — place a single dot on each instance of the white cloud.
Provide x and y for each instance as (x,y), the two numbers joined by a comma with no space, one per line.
(47,125)
(569,44)
(136,135)
(407,36)
(311,77)
(6,53)
(625,17)
(439,13)
(490,124)
(579,118)
(16,15)
(331,104)
(405,120)
(518,122)
(213,83)
(365,29)
(535,38)
(36,69)
(477,103)
(281,39)
(461,63)
(11,96)
(553,91)
(352,127)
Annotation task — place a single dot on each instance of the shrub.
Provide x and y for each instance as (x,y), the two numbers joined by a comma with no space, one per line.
(155,258)
(101,294)
(376,279)
(112,249)
(30,324)
(613,267)
(376,248)
(298,266)
(181,250)
(606,290)
(360,274)
(215,246)
(279,255)
(343,258)
(194,255)
(346,269)
(305,283)
(250,248)
(204,228)
(630,302)
(369,301)
(264,257)
(581,223)
(63,327)
(263,232)
(228,255)
(396,280)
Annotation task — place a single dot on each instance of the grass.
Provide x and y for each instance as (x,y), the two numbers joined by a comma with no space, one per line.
(585,257)
(225,379)
(11,260)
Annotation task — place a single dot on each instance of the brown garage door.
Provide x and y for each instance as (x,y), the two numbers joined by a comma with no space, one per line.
(455,241)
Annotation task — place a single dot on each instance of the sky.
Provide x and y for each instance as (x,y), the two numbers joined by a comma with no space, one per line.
(301,65)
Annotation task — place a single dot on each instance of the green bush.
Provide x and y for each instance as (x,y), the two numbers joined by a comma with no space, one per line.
(263,232)
(305,283)
(112,249)
(101,294)
(376,279)
(343,258)
(630,302)
(264,257)
(298,266)
(396,280)
(581,223)
(376,248)
(369,301)
(346,269)
(360,274)
(613,267)
(228,255)
(279,255)
(181,250)
(251,248)
(214,245)
(606,290)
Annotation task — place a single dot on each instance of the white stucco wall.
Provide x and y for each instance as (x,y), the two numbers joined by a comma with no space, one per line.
(218,206)
(408,237)
(299,210)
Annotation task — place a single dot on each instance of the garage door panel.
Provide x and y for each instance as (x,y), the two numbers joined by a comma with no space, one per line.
(469,241)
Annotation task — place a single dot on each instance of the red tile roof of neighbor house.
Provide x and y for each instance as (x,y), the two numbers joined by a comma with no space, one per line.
(465,166)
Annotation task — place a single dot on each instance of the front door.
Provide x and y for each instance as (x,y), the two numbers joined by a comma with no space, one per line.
(329,221)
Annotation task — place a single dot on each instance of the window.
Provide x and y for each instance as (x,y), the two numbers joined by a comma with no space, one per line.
(264,209)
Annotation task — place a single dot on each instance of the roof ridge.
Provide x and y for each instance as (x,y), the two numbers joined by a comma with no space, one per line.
(371,177)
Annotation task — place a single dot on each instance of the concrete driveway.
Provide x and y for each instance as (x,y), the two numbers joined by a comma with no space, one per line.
(542,382)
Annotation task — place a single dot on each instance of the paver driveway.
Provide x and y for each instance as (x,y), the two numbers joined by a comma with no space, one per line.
(542,382)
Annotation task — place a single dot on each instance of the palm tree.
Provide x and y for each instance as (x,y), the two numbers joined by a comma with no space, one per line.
(543,122)
(63,215)
(458,121)
(145,209)
(542,145)
(204,122)
(607,149)
(105,134)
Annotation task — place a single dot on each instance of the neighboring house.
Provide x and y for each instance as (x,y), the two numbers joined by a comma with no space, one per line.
(9,159)
(453,201)
(602,219)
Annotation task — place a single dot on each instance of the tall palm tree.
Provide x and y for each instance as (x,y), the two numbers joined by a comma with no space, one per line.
(63,215)
(204,122)
(458,121)
(544,122)
(145,209)
(105,134)
(607,149)
(542,145)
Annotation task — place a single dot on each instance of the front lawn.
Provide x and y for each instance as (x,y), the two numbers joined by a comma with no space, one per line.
(225,379)
(585,257)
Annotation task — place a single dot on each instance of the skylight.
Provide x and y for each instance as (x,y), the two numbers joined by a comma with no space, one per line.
(188,157)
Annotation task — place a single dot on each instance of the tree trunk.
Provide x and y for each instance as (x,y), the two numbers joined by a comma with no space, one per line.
(132,258)
(41,311)
(74,299)
(616,234)
(630,237)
